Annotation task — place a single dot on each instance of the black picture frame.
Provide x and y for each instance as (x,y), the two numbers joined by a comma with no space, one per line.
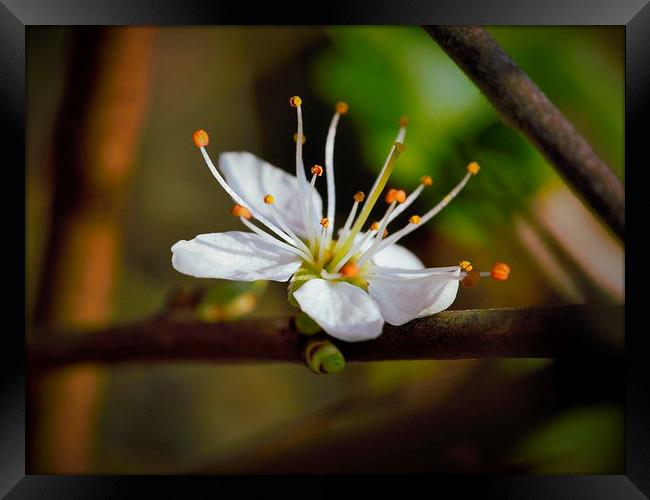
(17,15)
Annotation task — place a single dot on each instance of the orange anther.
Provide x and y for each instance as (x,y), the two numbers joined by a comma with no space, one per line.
(414,219)
(359,196)
(324,222)
(317,170)
(403,121)
(295,101)
(391,195)
(426,180)
(200,138)
(471,279)
(473,168)
(269,199)
(500,271)
(465,265)
(342,107)
(398,195)
(349,270)
(239,211)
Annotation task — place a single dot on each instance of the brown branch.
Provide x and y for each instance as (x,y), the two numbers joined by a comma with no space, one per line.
(485,333)
(522,104)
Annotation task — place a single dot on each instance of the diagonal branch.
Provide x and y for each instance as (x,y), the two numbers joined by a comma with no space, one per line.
(522,104)
(470,334)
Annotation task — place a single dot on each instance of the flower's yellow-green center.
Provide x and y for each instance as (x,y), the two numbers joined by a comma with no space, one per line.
(350,272)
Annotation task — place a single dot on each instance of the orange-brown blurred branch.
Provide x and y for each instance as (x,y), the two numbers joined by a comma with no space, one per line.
(470,334)
(95,138)
(522,104)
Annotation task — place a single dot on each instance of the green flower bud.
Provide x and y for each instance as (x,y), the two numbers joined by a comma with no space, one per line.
(324,357)
(306,325)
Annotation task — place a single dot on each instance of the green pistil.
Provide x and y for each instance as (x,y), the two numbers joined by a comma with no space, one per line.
(368,205)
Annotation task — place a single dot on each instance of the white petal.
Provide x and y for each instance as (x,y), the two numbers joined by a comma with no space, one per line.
(234,255)
(397,256)
(404,298)
(343,310)
(253,178)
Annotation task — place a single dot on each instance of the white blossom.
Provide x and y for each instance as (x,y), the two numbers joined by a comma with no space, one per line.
(350,285)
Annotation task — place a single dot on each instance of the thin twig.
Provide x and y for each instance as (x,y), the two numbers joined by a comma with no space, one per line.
(522,104)
(470,334)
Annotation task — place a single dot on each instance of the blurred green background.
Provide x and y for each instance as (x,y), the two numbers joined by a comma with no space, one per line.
(467,416)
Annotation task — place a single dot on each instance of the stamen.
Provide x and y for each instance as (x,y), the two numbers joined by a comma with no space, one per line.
(276,242)
(322,243)
(399,275)
(358,198)
(380,183)
(304,192)
(239,211)
(465,265)
(238,199)
(468,276)
(427,271)
(381,230)
(500,271)
(472,170)
(424,182)
(200,138)
(269,199)
(317,171)
(414,219)
(341,109)
(400,280)
(395,237)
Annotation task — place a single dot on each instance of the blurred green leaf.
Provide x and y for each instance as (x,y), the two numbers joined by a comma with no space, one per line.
(586,440)
(386,72)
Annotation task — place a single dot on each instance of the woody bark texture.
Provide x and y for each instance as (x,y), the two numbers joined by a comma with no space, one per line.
(470,334)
